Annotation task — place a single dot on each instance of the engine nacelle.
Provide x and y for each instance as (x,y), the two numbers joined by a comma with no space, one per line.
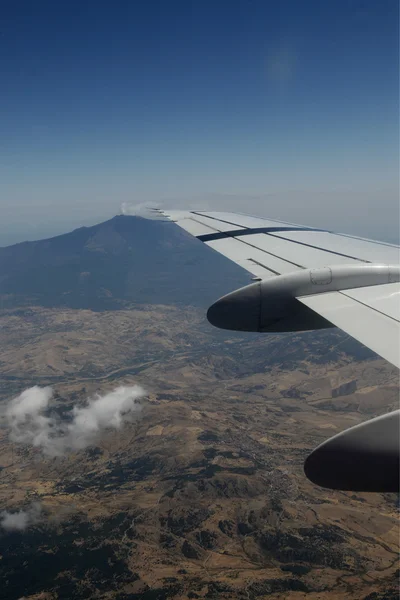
(272,305)
(364,458)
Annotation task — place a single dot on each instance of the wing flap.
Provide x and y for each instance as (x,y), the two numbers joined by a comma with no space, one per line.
(362,320)
(384,299)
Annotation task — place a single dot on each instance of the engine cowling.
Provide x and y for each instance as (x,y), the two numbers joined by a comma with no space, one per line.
(272,305)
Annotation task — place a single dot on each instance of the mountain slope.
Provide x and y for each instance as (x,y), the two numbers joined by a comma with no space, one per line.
(124,260)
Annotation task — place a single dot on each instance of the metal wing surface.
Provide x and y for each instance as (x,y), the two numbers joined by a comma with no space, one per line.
(369,311)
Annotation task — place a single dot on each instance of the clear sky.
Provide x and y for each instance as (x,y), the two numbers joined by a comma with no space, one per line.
(285,108)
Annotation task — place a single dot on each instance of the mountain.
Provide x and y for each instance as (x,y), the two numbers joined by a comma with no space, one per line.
(113,264)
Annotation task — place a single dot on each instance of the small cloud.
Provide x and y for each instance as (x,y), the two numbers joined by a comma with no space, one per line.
(22,519)
(143,209)
(29,424)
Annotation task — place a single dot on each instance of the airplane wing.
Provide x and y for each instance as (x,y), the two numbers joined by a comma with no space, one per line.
(356,281)
(308,278)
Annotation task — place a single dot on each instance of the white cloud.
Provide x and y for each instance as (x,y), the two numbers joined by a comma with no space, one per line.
(22,519)
(25,417)
(102,412)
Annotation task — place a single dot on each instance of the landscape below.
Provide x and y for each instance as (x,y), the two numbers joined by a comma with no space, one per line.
(202,494)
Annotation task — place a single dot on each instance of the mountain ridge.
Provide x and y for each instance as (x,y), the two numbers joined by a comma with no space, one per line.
(99,267)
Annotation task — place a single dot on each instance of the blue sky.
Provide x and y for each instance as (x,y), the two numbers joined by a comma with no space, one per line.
(286,108)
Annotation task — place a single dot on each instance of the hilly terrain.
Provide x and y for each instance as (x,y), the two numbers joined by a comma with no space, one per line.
(202,494)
